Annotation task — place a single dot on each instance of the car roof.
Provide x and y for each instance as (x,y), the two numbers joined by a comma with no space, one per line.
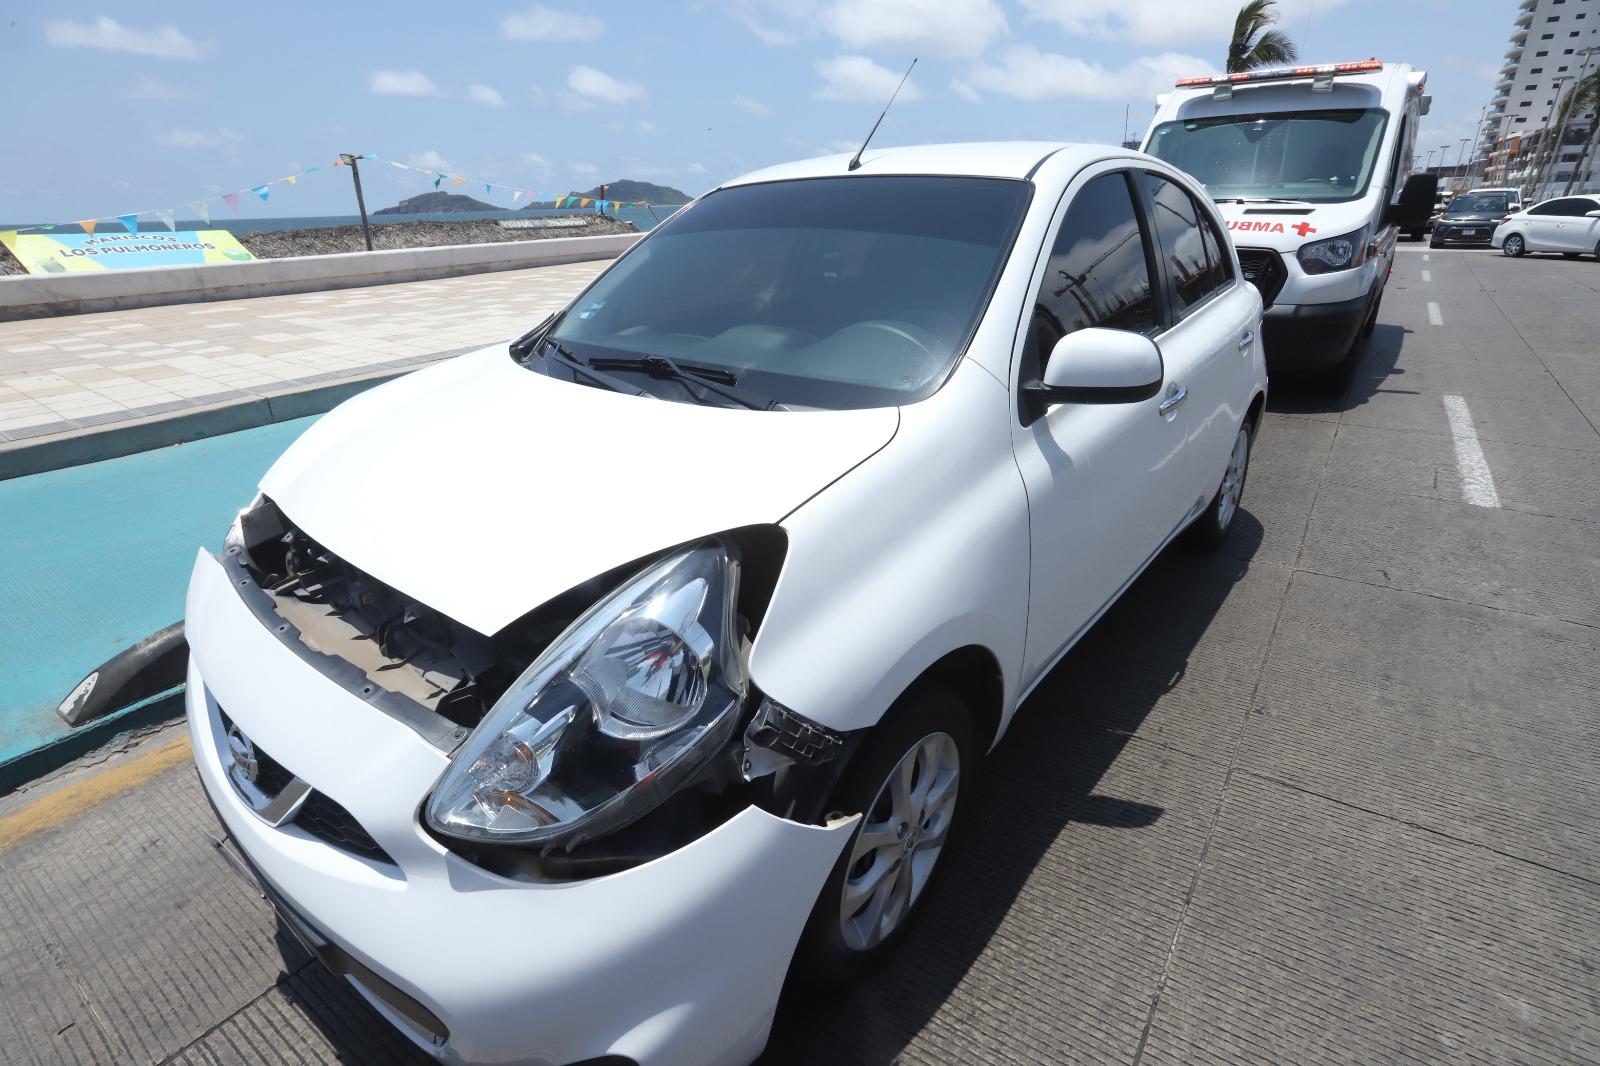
(997,159)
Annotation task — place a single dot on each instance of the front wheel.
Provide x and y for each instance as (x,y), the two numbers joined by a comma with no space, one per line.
(905,779)
(1211,528)
(1514,246)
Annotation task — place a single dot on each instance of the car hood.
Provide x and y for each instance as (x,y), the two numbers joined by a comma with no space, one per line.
(483,489)
(1472,218)
(1286,227)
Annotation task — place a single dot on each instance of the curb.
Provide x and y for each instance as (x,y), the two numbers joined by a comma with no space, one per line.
(51,756)
(90,445)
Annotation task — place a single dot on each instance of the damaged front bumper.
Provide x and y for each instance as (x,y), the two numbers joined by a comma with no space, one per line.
(676,961)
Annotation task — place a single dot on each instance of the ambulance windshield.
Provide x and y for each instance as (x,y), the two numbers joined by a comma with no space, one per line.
(1316,156)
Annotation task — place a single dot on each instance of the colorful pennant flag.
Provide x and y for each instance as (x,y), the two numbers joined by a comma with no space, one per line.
(232,200)
(437,180)
(516,195)
(89,224)
(458,181)
(129,222)
(292,179)
(262,191)
(203,209)
(168,216)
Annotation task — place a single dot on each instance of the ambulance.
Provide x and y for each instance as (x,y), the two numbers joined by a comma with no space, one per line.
(1311,168)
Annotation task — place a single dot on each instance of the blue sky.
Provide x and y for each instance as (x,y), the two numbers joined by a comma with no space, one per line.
(125,107)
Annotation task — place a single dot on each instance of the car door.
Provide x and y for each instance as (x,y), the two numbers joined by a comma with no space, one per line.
(1586,229)
(1572,227)
(1541,228)
(1209,346)
(1106,482)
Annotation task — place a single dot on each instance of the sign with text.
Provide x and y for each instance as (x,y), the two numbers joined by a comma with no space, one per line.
(63,253)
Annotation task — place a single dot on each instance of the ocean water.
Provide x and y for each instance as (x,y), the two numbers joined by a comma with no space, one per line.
(639,216)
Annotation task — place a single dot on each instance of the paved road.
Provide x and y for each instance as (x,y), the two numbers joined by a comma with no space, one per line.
(1329,796)
(87,372)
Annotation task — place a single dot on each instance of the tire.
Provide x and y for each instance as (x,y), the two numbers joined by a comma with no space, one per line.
(1372,318)
(1210,530)
(1414,234)
(1435,242)
(1514,246)
(929,726)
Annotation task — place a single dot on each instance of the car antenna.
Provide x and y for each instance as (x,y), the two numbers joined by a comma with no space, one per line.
(855,162)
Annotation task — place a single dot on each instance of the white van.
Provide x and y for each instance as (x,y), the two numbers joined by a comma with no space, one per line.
(1311,168)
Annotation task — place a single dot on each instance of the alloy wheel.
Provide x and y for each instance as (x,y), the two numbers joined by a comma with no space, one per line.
(902,835)
(1233,479)
(1513,246)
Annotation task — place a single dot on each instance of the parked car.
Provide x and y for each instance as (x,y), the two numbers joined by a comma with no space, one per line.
(1471,218)
(1568,224)
(558,698)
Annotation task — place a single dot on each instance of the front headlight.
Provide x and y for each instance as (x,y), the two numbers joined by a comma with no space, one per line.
(1334,253)
(611,718)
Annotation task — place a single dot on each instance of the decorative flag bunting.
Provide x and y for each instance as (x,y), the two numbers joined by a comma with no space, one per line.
(521,197)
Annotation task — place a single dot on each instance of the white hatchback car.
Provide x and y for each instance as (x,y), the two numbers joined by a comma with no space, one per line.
(1568,224)
(560,698)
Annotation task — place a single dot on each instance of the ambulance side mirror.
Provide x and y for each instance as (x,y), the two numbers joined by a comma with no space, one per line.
(1416,202)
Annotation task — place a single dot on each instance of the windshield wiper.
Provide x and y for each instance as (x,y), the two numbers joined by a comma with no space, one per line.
(560,353)
(699,380)
(1256,200)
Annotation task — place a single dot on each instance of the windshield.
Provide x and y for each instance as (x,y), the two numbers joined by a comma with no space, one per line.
(1486,203)
(1316,156)
(824,292)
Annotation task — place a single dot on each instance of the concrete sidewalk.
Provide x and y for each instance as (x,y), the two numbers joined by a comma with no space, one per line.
(97,373)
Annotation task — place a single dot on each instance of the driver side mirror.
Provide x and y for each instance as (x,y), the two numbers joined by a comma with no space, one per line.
(1099,365)
(1591,214)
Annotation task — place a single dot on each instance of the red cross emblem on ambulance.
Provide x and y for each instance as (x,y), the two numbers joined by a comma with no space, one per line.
(1305,229)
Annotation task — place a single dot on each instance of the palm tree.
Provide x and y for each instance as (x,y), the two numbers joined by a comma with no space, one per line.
(1580,98)
(1253,44)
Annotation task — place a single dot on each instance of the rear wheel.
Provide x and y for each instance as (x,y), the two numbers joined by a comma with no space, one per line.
(1514,246)
(906,780)
(1211,528)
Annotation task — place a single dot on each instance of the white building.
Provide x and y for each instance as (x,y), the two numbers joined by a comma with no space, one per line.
(1547,55)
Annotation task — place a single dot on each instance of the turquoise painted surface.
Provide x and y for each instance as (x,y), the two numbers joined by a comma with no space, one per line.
(92,558)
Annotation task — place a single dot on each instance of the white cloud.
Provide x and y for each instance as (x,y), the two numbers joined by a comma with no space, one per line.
(755,107)
(145,87)
(542,23)
(169,42)
(695,168)
(587,170)
(176,138)
(483,94)
(859,79)
(644,125)
(965,91)
(1026,73)
(401,83)
(924,27)
(428,160)
(598,85)
(1157,22)
(535,160)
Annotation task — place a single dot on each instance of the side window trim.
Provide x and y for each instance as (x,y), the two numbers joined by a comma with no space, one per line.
(1152,253)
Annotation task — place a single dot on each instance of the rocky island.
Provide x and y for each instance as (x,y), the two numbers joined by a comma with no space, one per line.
(436,203)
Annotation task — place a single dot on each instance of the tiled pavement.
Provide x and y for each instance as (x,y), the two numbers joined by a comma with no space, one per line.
(65,375)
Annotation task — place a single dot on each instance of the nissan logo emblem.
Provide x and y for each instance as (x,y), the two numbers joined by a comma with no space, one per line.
(243,754)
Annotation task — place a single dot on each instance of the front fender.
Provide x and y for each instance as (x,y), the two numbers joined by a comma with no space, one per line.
(919,551)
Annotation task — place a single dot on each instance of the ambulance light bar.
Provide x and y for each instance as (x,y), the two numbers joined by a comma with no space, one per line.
(1325,69)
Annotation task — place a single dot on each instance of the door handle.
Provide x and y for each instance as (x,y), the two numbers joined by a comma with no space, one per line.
(1247,340)
(1174,398)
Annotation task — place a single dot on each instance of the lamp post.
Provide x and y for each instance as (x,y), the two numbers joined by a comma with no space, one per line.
(1430,157)
(1461,157)
(1483,116)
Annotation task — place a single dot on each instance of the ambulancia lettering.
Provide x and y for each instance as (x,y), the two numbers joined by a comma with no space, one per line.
(1252,226)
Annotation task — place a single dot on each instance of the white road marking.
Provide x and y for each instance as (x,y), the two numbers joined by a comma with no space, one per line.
(1426,258)
(1434,317)
(1427,275)
(1477,483)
